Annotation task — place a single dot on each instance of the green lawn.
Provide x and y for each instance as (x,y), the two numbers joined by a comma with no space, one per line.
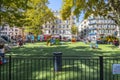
(68,49)
(73,68)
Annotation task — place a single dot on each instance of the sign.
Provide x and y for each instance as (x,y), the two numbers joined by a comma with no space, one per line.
(116,69)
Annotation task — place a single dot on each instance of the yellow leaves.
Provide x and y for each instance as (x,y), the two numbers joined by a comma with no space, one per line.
(66,8)
(35,2)
(72,6)
(38,14)
(87,6)
(80,3)
(13,4)
(74,29)
(69,3)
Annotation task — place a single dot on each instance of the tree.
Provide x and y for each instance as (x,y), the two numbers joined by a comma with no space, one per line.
(105,8)
(38,15)
(25,13)
(74,30)
(95,7)
(11,12)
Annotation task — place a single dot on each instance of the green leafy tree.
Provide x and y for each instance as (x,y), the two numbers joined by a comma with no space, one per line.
(11,12)
(74,30)
(105,8)
(38,15)
(95,7)
(25,13)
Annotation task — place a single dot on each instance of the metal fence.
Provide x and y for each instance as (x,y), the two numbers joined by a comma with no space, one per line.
(72,68)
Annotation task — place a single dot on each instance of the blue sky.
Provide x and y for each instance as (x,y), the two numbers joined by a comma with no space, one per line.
(57,4)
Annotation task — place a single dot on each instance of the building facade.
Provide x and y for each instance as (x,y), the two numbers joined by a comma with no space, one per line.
(59,27)
(98,26)
(83,29)
(10,31)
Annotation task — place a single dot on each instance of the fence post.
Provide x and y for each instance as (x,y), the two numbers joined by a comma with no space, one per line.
(10,67)
(101,67)
(57,61)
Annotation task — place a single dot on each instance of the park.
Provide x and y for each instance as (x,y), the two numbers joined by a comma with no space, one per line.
(36,61)
(60,40)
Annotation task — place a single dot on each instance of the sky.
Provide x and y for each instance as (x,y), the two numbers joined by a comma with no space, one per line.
(57,4)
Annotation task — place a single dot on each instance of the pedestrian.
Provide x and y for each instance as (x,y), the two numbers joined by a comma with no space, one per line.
(32,38)
(20,42)
(38,38)
(2,53)
(2,49)
(116,42)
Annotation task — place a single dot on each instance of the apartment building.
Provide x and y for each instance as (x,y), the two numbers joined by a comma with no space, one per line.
(98,26)
(59,27)
(10,31)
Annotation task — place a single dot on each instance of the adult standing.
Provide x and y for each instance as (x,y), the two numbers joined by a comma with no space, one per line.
(32,38)
(2,49)
(38,38)
(2,53)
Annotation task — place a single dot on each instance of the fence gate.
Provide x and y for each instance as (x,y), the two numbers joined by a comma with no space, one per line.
(72,68)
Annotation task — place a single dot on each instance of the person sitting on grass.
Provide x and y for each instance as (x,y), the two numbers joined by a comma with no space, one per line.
(93,43)
(20,42)
(116,42)
(52,41)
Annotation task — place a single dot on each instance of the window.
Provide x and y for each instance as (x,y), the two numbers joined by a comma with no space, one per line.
(67,26)
(52,26)
(45,26)
(59,21)
(16,30)
(59,26)
(46,31)
(63,31)
(53,31)
(59,31)
(49,31)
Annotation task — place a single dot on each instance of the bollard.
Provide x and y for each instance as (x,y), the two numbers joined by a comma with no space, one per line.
(57,61)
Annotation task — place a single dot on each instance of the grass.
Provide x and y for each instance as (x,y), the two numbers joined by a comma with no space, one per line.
(77,68)
(68,49)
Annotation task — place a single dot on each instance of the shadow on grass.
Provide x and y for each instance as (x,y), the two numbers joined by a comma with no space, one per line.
(113,47)
(36,66)
(66,50)
(42,68)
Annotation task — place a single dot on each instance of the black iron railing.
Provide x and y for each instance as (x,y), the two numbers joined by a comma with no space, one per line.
(72,68)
